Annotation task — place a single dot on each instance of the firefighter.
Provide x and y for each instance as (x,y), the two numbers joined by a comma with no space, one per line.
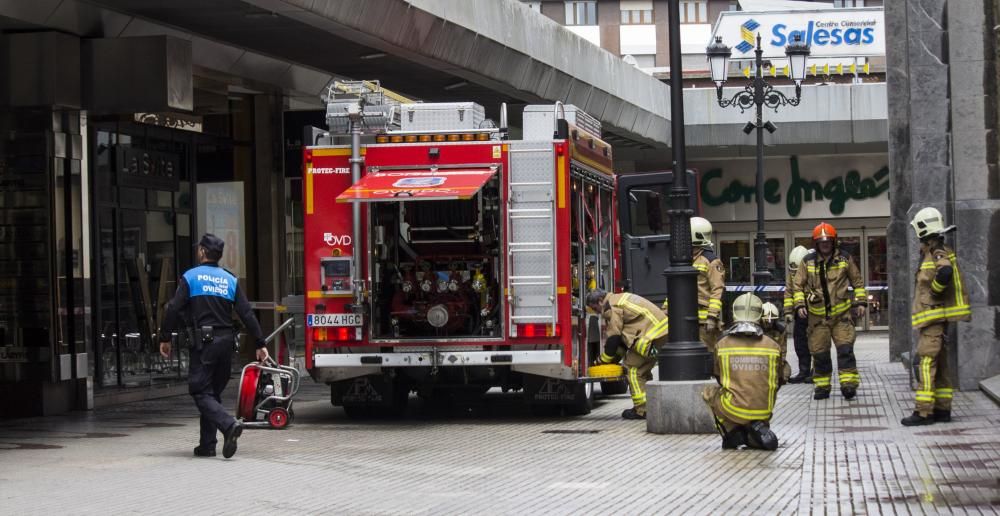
(798,324)
(820,292)
(711,282)
(635,328)
(750,364)
(938,298)
(209,294)
(774,328)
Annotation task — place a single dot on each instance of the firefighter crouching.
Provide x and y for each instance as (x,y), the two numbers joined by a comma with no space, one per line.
(750,366)
(635,327)
(774,328)
(820,292)
(938,298)
(798,325)
(711,282)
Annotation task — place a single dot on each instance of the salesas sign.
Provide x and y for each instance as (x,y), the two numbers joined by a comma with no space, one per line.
(830,33)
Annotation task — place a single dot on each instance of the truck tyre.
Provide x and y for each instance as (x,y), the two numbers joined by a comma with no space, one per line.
(584,399)
(614,388)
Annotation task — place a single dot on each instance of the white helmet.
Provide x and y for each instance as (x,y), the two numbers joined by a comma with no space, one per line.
(770,312)
(928,222)
(747,308)
(701,232)
(796,256)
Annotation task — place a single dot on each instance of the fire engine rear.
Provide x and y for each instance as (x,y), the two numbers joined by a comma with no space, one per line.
(446,259)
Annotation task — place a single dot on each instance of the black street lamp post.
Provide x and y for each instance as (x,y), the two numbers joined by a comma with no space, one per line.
(684,357)
(760,94)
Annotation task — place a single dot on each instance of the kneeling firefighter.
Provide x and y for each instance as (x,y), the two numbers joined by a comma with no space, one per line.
(635,328)
(750,372)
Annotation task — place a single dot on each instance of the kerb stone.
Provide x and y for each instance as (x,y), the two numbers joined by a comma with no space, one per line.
(677,408)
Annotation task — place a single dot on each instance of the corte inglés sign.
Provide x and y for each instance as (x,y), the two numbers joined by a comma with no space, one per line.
(810,187)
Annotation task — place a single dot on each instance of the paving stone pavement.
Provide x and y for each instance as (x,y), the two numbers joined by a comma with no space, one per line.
(836,457)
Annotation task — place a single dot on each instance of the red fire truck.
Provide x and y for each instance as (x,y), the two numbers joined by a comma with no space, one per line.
(456,259)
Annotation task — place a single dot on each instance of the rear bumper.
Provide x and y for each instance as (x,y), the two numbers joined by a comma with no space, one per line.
(438,358)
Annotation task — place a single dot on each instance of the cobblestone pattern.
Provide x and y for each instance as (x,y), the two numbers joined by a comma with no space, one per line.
(836,457)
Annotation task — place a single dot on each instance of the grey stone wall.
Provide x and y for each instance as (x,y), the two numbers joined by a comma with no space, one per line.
(942,82)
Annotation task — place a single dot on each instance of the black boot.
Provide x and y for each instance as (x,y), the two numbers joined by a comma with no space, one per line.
(942,416)
(916,419)
(760,437)
(232,434)
(734,438)
(821,394)
(632,414)
(801,377)
(204,452)
(808,379)
(849,392)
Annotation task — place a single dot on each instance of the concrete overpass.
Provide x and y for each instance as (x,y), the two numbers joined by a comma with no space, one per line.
(488,51)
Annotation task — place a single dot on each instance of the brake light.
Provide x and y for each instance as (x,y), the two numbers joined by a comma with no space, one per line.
(537,330)
(342,333)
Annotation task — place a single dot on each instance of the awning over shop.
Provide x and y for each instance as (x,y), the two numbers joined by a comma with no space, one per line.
(428,184)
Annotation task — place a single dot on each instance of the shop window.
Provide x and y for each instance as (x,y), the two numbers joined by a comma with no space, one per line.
(581,12)
(877,282)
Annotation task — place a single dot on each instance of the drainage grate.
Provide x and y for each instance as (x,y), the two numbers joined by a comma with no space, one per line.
(570,431)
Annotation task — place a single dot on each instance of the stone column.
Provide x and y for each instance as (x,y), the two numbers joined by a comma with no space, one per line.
(943,153)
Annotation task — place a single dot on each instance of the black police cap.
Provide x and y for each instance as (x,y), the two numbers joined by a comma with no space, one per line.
(211,243)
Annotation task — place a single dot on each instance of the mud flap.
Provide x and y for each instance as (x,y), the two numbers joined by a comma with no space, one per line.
(577,397)
(376,391)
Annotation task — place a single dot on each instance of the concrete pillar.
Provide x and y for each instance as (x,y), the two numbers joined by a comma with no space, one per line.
(943,153)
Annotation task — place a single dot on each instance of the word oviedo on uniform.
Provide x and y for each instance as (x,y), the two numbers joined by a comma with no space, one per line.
(214,284)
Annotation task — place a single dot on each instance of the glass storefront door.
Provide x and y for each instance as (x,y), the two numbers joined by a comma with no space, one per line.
(877,281)
(735,251)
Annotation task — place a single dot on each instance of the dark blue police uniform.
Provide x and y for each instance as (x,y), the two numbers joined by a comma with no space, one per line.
(209,293)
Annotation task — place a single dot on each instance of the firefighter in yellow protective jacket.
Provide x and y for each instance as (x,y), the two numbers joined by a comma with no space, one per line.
(639,327)
(821,292)
(750,365)
(938,298)
(797,326)
(771,323)
(711,282)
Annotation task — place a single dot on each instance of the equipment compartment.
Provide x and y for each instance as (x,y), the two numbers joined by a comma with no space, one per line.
(436,266)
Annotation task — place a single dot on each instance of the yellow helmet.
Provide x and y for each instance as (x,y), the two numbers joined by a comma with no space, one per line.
(770,312)
(701,232)
(796,256)
(928,222)
(747,308)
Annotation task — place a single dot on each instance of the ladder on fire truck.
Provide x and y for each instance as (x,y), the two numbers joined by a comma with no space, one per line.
(531,233)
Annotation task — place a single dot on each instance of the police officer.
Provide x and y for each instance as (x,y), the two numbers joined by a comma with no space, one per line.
(799,325)
(750,365)
(821,293)
(939,297)
(636,324)
(209,293)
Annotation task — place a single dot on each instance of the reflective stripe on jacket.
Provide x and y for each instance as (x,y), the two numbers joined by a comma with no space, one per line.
(636,319)
(749,369)
(935,303)
(823,286)
(711,283)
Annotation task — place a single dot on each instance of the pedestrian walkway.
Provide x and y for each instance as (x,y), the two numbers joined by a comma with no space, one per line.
(836,457)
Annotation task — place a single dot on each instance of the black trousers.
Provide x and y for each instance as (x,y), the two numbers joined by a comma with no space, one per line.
(207,378)
(800,338)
